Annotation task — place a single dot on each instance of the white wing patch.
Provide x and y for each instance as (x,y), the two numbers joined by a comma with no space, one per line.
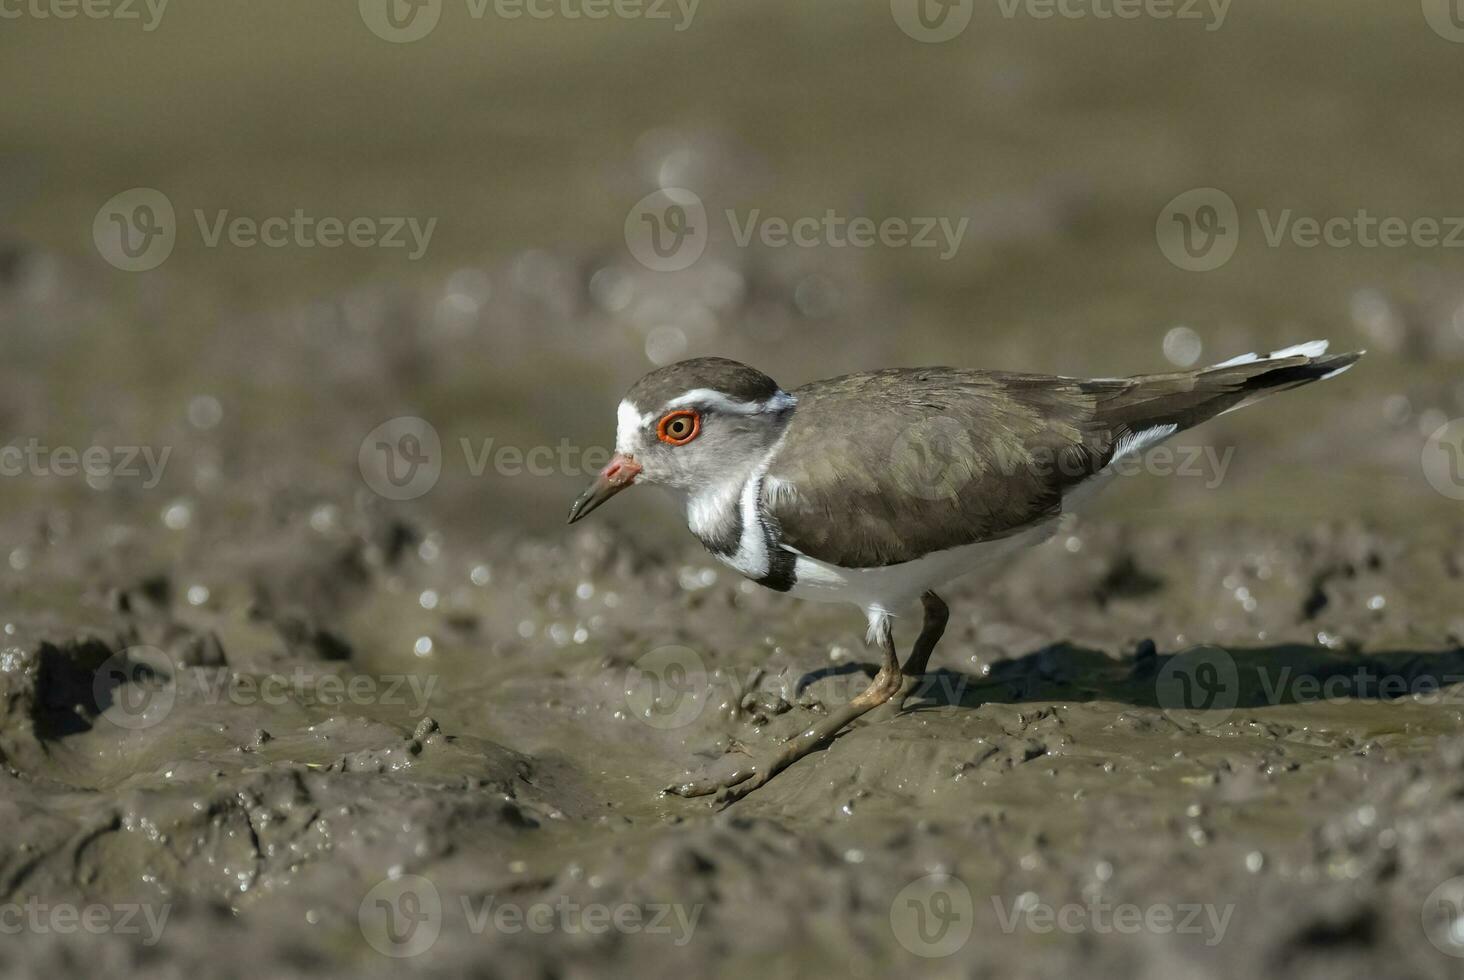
(1312,348)
(1134,443)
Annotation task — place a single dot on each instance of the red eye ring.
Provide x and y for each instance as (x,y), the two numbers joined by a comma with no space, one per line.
(679,427)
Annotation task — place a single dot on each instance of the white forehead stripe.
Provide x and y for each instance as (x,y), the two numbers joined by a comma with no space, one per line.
(779,401)
(628,421)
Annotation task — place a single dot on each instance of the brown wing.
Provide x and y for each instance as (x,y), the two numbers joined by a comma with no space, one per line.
(882,468)
(878,469)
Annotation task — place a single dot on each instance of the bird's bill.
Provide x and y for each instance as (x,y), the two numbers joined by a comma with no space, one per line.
(618,474)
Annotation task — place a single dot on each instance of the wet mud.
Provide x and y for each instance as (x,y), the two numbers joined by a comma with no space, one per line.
(264,715)
(266,767)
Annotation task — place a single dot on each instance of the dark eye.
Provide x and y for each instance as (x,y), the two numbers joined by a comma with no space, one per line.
(679,427)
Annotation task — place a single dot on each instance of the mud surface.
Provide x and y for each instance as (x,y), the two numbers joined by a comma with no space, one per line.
(262,717)
(231,778)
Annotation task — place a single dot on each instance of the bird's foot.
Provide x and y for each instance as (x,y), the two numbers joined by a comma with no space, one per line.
(707,784)
(748,776)
(729,787)
(910,689)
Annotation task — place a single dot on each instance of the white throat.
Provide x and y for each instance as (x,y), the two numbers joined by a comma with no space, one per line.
(731,506)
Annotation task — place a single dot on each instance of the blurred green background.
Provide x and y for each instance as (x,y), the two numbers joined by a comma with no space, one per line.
(531,140)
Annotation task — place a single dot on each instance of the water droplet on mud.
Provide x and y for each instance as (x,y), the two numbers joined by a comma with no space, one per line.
(324,518)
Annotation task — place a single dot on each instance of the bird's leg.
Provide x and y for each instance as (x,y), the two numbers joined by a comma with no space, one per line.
(936,615)
(749,776)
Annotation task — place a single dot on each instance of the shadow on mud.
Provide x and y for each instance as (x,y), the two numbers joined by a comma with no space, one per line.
(1203,678)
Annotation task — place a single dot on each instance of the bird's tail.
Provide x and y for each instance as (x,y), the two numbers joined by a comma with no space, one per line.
(1162,404)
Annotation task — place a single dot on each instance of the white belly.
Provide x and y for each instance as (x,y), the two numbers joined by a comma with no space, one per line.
(890,588)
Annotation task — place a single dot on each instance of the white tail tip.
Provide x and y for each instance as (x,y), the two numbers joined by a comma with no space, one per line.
(1312,348)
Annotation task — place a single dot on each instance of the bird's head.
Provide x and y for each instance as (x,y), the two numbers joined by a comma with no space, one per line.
(690,425)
